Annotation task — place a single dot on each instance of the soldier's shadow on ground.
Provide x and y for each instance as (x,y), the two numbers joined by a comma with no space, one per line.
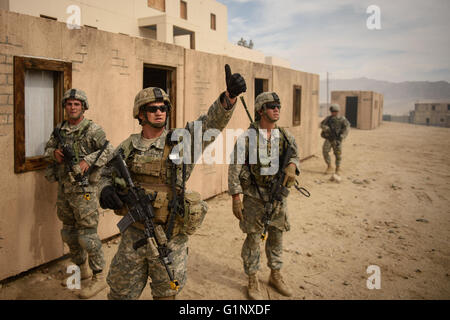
(210,277)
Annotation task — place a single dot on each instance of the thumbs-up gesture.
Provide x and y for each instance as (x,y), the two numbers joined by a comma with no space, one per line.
(235,83)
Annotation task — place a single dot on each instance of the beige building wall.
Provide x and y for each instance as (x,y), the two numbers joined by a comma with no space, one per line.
(136,18)
(432,113)
(370,107)
(109,67)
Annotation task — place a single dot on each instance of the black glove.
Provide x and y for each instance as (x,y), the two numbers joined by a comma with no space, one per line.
(235,82)
(109,199)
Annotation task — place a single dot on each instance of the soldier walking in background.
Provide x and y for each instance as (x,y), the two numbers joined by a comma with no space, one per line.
(78,148)
(335,129)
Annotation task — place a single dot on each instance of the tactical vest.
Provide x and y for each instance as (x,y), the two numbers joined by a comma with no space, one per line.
(151,173)
(255,169)
(75,140)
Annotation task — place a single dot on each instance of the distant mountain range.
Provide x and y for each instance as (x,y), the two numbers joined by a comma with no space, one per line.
(399,97)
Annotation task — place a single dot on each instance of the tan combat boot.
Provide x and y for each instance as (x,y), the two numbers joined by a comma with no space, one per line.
(253,287)
(338,170)
(85,273)
(329,169)
(96,285)
(276,281)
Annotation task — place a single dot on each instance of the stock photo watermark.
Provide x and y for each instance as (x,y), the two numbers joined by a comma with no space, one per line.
(374,281)
(257,150)
(374,20)
(74,281)
(74,20)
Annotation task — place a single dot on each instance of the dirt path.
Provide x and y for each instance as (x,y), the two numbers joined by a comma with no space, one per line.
(391,209)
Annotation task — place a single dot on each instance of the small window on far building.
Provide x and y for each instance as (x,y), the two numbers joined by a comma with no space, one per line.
(157,4)
(433,108)
(297,107)
(442,119)
(448,107)
(183,9)
(38,88)
(213,21)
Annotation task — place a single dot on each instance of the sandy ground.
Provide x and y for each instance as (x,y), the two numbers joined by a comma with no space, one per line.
(391,209)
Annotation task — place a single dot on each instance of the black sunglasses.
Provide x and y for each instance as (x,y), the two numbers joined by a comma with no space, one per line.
(273,106)
(153,109)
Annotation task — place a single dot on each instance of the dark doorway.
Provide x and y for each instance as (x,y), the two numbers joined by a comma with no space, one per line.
(351,110)
(428,121)
(164,78)
(261,85)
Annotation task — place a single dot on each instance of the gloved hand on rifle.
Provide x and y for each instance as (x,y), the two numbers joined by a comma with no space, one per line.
(109,199)
(290,170)
(237,207)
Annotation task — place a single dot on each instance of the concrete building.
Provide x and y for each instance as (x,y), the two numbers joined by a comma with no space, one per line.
(324,110)
(363,109)
(40,57)
(194,24)
(396,118)
(432,113)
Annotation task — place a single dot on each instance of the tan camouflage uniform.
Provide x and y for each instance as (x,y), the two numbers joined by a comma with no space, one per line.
(78,215)
(130,269)
(239,182)
(340,125)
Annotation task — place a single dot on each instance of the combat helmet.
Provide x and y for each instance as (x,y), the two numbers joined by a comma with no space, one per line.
(75,94)
(262,99)
(147,95)
(335,107)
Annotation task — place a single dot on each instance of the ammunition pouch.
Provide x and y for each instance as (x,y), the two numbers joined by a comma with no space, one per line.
(245,178)
(325,134)
(51,172)
(194,212)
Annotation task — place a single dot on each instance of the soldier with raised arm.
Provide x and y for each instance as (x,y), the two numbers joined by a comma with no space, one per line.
(148,156)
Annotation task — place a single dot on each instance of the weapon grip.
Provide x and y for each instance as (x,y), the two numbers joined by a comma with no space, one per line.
(122,168)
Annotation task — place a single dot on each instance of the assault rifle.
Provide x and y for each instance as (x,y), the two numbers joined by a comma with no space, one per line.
(140,209)
(278,189)
(70,159)
(334,136)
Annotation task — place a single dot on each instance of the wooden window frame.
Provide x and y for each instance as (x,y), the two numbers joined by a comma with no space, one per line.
(213,22)
(181,9)
(62,82)
(296,122)
(153,5)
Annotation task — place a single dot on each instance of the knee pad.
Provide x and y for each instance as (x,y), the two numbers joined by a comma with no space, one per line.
(69,235)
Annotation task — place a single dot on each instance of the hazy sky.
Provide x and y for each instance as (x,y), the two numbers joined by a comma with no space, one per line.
(331,35)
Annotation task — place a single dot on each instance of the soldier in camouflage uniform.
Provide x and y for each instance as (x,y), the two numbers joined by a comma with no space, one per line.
(147,157)
(334,129)
(250,213)
(77,203)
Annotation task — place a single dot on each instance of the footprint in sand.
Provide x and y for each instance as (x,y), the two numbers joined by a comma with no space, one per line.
(423,196)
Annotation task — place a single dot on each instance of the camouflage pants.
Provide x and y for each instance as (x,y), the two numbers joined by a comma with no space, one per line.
(251,250)
(130,269)
(79,231)
(253,226)
(337,150)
